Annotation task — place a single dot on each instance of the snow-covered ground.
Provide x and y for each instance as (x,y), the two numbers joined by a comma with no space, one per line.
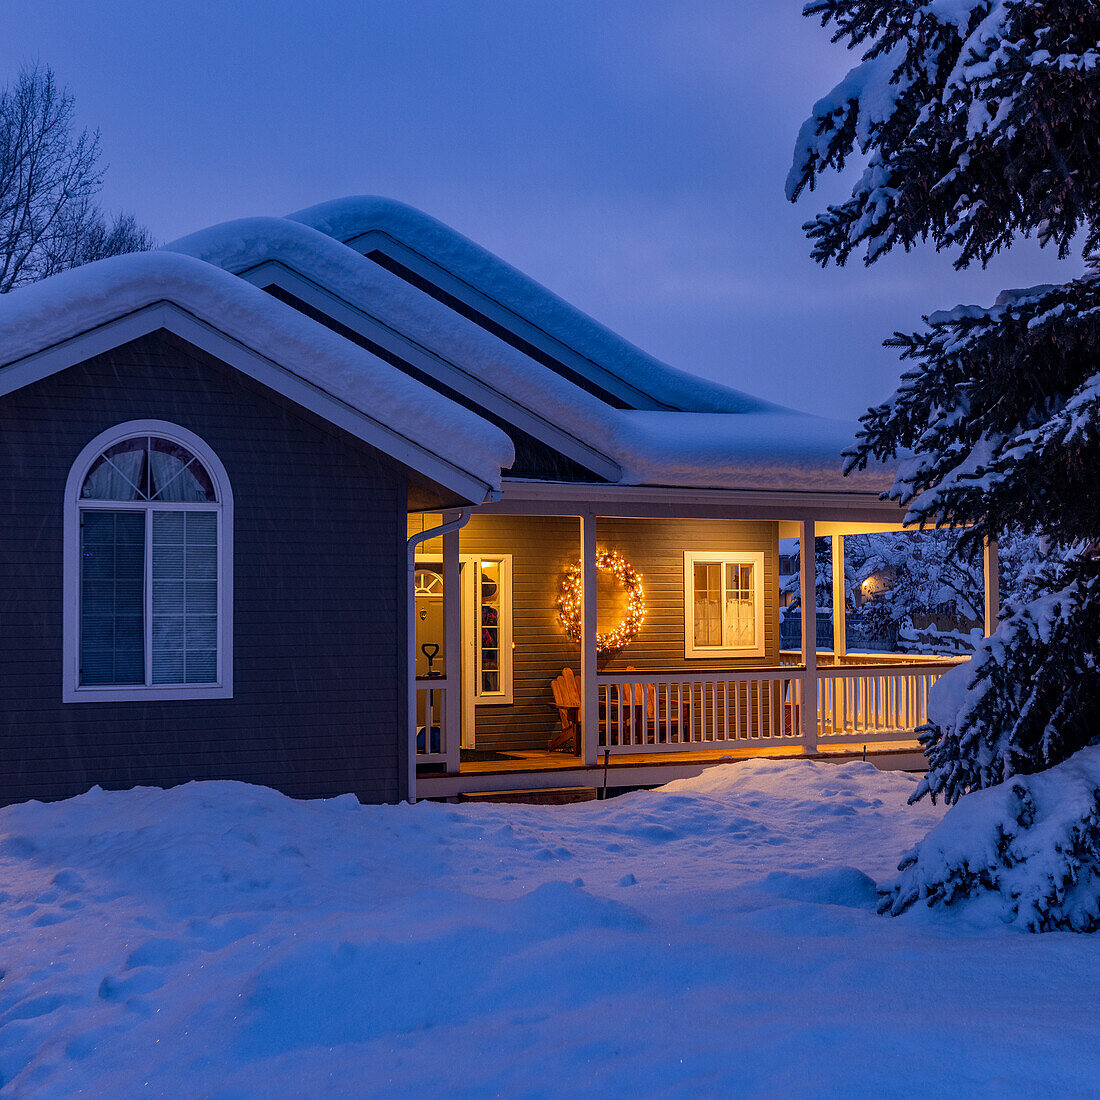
(716,937)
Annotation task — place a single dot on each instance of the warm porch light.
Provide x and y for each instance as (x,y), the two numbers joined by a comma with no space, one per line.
(571,602)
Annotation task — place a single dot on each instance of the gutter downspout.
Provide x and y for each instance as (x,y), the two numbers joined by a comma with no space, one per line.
(411,545)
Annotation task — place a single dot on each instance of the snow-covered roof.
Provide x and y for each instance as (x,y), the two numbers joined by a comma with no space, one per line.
(74,302)
(349,218)
(780,450)
(760,447)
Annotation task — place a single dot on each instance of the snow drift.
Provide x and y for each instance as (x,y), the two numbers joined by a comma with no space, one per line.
(717,936)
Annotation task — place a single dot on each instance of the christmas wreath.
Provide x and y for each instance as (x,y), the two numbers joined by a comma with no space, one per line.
(571,602)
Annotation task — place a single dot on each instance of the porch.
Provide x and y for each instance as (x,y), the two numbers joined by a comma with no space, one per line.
(673,716)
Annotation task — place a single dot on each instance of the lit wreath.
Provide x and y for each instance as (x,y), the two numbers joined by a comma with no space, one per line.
(571,601)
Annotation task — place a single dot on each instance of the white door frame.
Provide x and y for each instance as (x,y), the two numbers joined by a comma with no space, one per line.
(468,654)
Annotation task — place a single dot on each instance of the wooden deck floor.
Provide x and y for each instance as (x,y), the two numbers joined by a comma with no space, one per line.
(532,769)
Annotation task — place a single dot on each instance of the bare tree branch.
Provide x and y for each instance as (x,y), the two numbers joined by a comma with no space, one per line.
(50,177)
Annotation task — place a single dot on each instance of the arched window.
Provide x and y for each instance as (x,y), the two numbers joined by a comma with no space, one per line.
(148,568)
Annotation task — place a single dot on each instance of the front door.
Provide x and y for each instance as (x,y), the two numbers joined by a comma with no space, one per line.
(486,637)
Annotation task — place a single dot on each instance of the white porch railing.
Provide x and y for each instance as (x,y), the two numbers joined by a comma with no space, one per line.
(658,712)
(857,702)
(884,702)
(431,723)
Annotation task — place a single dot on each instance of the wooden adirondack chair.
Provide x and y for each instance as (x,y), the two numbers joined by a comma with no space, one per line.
(567,699)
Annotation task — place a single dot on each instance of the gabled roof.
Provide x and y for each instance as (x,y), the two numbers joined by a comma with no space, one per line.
(750,445)
(369,299)
(367,221)
(77,314)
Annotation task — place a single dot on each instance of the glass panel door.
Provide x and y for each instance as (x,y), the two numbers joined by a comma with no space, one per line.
(489,609)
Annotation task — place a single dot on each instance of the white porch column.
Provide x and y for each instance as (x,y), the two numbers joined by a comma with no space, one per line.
(808,593)
(840,611)
(590,720)
(452,646)
(992,587)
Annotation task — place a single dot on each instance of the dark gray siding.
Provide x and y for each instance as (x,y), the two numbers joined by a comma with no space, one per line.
(319,615)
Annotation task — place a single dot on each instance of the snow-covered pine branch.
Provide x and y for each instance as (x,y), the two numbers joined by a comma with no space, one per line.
(977,122)
(999,417)
(968,114)
(1027,852)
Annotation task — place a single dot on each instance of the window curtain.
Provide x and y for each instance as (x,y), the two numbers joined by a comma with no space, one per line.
(708,622)
(740,621)
(173,480)
(115,478)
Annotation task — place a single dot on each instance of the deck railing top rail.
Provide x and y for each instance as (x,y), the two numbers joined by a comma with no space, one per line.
(827,659)
(641,676)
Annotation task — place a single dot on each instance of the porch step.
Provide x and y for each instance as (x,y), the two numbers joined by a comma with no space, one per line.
(546,796)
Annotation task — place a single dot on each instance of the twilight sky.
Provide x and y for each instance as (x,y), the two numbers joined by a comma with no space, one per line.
(629,154)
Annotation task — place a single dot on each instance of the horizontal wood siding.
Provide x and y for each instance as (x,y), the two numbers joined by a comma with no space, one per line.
(319,617)
(656,548)
(543,547)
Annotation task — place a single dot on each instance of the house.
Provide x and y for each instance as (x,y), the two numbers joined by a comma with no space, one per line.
(328,502)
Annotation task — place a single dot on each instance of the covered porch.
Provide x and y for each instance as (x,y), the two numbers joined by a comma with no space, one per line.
(652,710)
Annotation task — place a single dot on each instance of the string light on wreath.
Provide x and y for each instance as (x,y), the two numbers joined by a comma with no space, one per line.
(571,601)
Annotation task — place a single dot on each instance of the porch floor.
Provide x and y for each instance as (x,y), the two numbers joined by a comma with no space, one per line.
(529,769)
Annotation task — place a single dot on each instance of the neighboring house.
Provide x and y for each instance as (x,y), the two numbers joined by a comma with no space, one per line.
(236,470)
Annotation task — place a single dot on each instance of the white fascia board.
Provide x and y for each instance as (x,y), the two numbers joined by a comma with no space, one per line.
(428,269)
(558,498)
(450,374)
(167,315)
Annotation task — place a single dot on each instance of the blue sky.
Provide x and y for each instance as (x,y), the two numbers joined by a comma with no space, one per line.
(628,154)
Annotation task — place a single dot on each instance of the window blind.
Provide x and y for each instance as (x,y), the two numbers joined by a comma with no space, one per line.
(185,598)
(112,597)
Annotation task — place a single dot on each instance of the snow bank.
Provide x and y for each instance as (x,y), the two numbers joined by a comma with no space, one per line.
(348,218)
(73,302)
(775,449)
(1025,852)
(717,936)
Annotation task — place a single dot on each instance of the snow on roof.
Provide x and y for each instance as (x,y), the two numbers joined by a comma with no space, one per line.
(65,305)
(772,448)
(348,218)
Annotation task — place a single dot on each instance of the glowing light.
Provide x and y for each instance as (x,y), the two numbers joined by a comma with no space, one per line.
(571,602)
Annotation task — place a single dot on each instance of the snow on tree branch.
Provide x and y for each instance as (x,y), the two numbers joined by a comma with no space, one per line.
(968,114)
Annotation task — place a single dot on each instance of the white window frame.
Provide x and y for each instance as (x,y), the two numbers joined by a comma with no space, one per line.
(505,696)
(724,557)
(72,690)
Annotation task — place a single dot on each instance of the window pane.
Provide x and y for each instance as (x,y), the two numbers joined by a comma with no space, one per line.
(112,597)
(118,474)
(740,611)
(185,597)
(176,475)
(489,582)
(708,603)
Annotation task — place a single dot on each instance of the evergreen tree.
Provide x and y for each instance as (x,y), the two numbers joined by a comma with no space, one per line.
(980,123)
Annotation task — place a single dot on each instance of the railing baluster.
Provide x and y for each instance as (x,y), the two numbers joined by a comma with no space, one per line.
(853,701)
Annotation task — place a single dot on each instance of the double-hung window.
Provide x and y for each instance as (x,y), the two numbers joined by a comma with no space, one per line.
(148,574)
(723,604)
